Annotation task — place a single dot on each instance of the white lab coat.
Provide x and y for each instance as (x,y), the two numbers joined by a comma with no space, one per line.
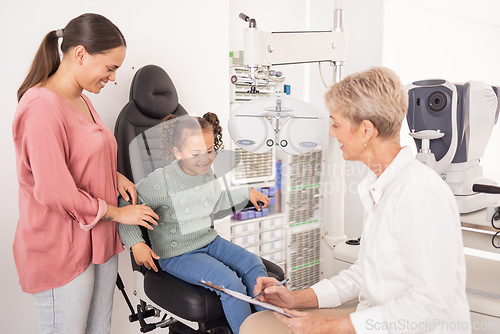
(410,273)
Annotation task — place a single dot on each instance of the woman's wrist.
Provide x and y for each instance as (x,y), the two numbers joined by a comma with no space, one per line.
(305,299)
(112,213)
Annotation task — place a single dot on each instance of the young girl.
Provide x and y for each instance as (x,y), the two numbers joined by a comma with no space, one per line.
(184,195)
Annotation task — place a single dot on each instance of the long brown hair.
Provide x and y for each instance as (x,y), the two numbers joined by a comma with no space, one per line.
(173,132)
(93,31)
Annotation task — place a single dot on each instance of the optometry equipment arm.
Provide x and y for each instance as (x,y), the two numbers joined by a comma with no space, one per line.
(264,49)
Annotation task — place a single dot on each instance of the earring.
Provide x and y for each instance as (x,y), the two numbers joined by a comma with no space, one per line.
(364,143)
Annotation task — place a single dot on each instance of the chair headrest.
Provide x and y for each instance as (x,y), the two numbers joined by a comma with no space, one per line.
(154,92)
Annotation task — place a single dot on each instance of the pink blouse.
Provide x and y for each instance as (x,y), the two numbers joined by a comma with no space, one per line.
(66,167)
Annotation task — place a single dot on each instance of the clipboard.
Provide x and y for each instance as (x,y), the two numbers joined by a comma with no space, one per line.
(246,298)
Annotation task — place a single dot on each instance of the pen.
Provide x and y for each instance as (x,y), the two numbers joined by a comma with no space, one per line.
(277,284)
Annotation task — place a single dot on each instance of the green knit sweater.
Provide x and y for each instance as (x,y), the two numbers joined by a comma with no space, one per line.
(183,203)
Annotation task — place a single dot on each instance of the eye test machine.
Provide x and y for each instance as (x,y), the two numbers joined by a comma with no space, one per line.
(451,125)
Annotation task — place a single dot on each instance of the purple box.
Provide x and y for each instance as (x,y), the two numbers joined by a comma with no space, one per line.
(264,190)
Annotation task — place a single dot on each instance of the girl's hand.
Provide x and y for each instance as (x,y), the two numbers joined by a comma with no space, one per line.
(125,187)
(144,255)
(256,196)
(306,323)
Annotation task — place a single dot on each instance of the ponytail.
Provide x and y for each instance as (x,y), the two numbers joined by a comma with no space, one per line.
(168,141)
(212,118)
(45,64)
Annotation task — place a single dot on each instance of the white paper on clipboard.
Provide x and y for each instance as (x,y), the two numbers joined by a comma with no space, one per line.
(247,299)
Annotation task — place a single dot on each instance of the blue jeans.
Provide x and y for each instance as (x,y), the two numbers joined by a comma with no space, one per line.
(83,305)
(223,263)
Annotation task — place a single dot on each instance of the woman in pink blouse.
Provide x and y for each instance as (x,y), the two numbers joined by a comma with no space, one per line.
(66,241)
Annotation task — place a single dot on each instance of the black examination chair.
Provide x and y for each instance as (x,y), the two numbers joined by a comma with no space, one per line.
(185,308)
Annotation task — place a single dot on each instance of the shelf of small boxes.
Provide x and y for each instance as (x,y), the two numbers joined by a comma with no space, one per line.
(304,219)
(253,167)
(305,258)
(240,91)
(261,232)
(305,186)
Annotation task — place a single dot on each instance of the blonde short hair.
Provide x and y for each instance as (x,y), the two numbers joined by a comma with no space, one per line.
(377,95)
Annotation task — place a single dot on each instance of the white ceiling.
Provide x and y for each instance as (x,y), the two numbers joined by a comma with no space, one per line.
(486,11)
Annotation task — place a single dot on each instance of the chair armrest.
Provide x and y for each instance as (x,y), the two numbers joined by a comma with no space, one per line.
(273,270)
